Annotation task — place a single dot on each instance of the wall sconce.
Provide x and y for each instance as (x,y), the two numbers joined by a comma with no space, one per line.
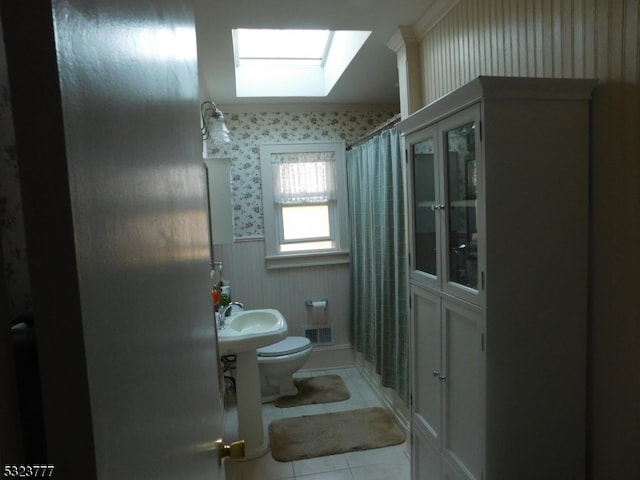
(214,129)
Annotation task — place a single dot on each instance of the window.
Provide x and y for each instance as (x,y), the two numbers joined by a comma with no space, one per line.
(264,47)
(292,62)
(304,202)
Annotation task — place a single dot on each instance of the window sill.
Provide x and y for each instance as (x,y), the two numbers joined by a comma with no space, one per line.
(294,260)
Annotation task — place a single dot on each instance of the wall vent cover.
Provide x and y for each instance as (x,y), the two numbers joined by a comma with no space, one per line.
(319,335)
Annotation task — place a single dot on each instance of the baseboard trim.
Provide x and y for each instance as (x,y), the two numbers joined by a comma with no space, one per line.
(389,404)
(330,356)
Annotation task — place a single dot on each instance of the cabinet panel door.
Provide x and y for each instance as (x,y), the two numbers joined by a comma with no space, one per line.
(448,473)
(463,392)
(424,206)
(461,189)
(426,462)
(427,360)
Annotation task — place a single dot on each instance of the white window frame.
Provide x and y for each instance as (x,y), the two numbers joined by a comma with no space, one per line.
(272,213)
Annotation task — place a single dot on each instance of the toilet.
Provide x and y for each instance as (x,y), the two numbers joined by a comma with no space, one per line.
(278,362)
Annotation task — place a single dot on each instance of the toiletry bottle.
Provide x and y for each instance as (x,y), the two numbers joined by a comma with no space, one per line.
(216,278)
(215,295)
(225,298)
(224,283)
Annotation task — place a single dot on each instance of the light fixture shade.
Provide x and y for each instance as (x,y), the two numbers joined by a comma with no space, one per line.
(214,129)
(218,131)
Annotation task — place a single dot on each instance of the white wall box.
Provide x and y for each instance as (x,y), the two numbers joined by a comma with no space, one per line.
(498,205)
(220,202)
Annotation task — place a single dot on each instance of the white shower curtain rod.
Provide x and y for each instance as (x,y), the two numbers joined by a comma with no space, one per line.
(383,126)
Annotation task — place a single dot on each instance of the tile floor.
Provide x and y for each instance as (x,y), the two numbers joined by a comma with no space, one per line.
(376,464)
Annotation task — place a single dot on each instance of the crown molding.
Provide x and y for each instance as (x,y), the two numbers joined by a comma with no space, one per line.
(403,36)
(436,10)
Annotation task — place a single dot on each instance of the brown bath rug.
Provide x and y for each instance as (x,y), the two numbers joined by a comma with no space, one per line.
(320,389)
(312,436)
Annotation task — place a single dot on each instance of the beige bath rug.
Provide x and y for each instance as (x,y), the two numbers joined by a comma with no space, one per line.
(331,433)
(320,389)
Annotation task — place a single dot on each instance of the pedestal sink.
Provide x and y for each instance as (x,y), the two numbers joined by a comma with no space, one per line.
(242,334)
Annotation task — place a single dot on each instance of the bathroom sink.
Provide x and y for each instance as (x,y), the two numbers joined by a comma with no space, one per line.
(242,334)
(251,329)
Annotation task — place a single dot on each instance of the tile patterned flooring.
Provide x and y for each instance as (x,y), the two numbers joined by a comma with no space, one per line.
(376,464)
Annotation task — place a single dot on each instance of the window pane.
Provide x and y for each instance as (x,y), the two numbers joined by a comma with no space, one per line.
(424,208)
(282,44)
(461,205)
(307,246)
(282,62)
(305,222)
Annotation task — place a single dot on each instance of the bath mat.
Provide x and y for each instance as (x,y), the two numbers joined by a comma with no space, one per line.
(320,389)
(331,433)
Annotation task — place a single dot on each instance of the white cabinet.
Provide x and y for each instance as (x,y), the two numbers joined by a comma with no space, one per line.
(498,206)
(220,203)
(449,363)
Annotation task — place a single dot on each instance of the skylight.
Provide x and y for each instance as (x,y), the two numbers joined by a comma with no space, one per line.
(292,63)
(282,47)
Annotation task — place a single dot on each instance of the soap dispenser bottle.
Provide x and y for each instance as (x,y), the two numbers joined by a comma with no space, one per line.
(215,296)
(225,298)
(216,279)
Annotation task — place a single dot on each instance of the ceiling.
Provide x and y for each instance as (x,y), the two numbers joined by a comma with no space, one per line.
(371,77)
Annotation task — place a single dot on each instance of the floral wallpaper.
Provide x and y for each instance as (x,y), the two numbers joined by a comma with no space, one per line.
(15,266)
(249,130)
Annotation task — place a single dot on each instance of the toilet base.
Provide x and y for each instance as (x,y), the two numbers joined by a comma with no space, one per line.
(271,392)
(277,365)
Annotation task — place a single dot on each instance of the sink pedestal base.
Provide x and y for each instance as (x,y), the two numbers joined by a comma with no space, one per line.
(249,404)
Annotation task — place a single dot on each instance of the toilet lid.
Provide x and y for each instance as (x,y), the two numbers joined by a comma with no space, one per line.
(285,347)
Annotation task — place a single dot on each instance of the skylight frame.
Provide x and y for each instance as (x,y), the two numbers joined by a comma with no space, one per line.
(297,76)
(281,60)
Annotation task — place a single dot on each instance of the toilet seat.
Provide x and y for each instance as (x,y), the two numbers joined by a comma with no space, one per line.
(288,346)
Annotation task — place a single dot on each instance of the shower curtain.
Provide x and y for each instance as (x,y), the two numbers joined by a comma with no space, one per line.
(379,308)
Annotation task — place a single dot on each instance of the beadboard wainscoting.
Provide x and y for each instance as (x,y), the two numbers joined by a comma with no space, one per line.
(531,38)
(288,290)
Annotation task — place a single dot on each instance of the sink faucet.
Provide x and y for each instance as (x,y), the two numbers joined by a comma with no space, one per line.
(222,313)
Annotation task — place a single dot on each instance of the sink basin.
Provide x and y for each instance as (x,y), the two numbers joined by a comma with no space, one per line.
(251,329)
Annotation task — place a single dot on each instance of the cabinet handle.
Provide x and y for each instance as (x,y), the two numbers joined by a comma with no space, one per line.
(437,206)
(436,374)
(442,378)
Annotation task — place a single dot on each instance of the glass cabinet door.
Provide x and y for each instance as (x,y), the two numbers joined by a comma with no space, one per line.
(445,185)
(425,206)
(460,205)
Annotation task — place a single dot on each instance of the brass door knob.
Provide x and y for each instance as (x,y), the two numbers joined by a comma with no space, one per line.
(234,451)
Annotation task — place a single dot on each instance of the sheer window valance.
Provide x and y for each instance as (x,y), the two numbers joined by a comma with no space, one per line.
(304,178)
